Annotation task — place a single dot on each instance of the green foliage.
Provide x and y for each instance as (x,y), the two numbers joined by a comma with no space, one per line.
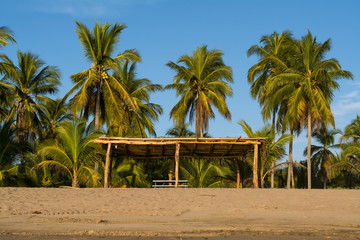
(28,81)
(180,130)
(6,36)
(99,46)
(203,172)
(202,82)
(136,119)
(272,150)
(73,154)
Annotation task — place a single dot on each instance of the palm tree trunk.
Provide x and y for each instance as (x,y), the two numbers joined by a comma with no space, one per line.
(21,135)
(75,181)
(97,107)
(97,119)
(309,152)
(199,118)
(273,164)
(290,168)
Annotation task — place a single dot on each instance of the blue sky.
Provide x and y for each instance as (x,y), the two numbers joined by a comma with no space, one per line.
(163,30)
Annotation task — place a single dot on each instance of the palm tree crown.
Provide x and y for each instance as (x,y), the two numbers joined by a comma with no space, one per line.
(202,82)
(28,81)
(99,46)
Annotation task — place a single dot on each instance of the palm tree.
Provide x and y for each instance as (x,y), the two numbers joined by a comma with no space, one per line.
(99,46)
(272,60)
(180,130)
(53,112)
(137,120)
(202,82)
(5,39)
(322,156)
(203,172)
(130,173)
(9,155)
(274,149)
(350,144)
(310,81)
(28,81)
(74,153)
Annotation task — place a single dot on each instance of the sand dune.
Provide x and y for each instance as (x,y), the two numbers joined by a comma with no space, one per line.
(179,212)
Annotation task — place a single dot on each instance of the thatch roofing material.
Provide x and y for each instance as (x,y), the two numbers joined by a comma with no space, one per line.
(189,147)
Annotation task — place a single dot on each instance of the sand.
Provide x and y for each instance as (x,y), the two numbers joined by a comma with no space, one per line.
(57,213)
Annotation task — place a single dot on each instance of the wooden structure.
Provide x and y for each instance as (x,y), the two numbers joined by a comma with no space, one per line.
(147,148)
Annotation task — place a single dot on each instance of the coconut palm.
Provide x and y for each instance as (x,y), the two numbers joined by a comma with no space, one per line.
(274,148)
(53,112)
(272,56)
(99,46)
(130,173)
(74,153)
(322,156)
(202,82)
(136,119)
(203,172)
(350,144)
(310,82)
(28,81)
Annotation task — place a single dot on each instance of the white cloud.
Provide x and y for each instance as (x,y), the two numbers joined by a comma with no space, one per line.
(354,94)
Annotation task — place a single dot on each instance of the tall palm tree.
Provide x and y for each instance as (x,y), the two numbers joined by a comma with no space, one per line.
(322,155)
(202,82)
(99,46)
(74,153)
(272,56)
(136,119)
(311,80)
(28,81)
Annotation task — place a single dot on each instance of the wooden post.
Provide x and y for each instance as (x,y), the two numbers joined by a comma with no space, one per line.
(255,167)
(177,153)
(107,163)
(237,173)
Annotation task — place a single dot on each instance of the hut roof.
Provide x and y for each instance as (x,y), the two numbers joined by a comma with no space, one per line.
(189,147)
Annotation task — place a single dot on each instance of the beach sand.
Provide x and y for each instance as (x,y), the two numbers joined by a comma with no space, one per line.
(91,214)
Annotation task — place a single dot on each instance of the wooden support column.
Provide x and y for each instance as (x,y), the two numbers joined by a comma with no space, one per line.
(107,163)
(255,167)
(177,157)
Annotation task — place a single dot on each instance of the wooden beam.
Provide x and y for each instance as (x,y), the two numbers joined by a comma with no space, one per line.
(177,157)
(230,139)
(107,163)
(173,143)
(231,146)
(255,167)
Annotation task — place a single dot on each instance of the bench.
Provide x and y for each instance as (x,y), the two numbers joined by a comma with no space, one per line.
(166,183)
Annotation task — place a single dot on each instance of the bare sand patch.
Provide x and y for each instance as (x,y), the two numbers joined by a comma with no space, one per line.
(179,212)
